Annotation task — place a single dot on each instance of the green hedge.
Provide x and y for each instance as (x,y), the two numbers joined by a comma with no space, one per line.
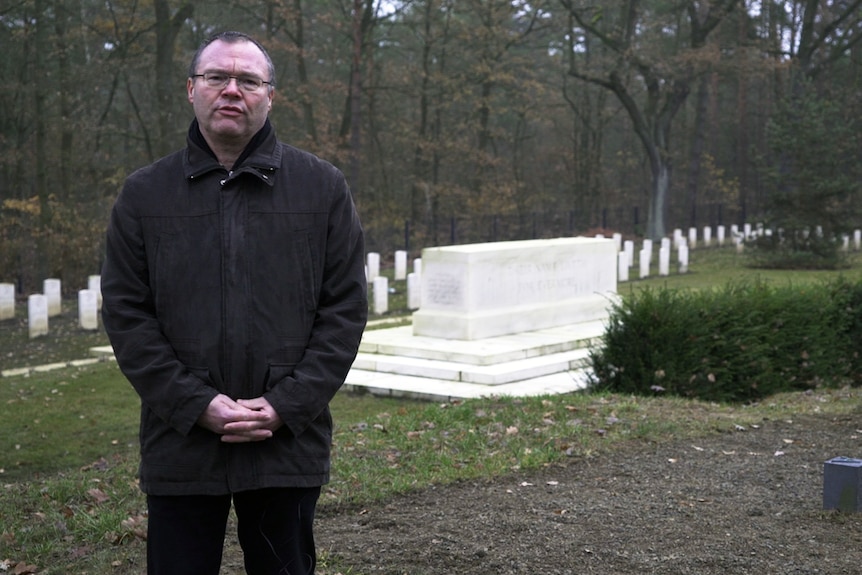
(738,343)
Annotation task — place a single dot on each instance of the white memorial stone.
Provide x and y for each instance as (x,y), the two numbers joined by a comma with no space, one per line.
(618,241)
(477,291)
(400,265)
(644,264)
(692,237)
(52,288)
(677,237)
(857,239)
(37,315)
(707,236)
(629,248)
(7,301)
(414,291)
(372,266)
(381,294)
(720,235)
(665,244)
(95,283)
(88,309)
(683,259)
(622,267)
(664,261)
(417,266)
(647,247)
(746,231)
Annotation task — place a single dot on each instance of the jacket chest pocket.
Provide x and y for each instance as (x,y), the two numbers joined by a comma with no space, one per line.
(287,263)
(184,267)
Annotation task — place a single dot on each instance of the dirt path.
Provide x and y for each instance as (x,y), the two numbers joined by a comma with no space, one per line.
(742,502)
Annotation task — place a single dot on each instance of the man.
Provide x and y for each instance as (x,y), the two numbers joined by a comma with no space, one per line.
(234,294)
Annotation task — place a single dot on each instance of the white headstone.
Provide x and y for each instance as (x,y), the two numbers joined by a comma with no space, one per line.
(52,288)
(720,235)
(629,248)
(618,241)
(417,266)
(746,231)
(95,283)
(648,249)
(692,237)
(857,239)
(372,266)
(381,294)
(683,259)
(478,291)
(665,244)
(664,261)
(37,315)
(644,264)
(707,236)
(622,267)
(88,309)
(677,237)
(7,301)
(414,293)
(400,265)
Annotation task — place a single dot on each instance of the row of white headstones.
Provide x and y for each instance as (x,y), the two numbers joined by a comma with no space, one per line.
(41,307)
(680,242)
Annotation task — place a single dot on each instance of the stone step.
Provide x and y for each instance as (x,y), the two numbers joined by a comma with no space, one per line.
(400,341)
(438,390)
(497,374)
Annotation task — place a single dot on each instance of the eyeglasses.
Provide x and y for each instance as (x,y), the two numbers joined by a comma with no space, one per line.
(220,80)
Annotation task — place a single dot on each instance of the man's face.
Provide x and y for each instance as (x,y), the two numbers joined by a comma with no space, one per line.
(230,115)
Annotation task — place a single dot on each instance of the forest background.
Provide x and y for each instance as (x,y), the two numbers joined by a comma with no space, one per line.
(454,120)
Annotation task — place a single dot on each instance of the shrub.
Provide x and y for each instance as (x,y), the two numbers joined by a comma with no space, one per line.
(738,343)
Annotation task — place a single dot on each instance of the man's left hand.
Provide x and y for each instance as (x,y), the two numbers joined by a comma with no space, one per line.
(245,431)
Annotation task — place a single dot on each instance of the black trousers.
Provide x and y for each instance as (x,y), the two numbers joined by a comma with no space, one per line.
(185,534)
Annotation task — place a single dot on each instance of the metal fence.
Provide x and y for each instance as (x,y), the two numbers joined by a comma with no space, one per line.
(462,229)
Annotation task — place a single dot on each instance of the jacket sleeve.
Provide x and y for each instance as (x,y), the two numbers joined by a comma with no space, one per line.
(339,320)
(144,355)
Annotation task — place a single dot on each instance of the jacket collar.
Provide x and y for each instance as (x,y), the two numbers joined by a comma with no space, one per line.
(261,157)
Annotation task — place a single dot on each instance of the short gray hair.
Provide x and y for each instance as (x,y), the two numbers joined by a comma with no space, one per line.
(232,37)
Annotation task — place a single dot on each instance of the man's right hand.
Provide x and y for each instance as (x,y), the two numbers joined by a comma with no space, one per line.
(222,410)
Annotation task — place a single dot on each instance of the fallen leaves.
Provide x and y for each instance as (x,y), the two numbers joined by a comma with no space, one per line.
(98,496)
(17,568)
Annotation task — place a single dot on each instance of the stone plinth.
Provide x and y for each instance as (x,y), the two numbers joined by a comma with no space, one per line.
(477,291)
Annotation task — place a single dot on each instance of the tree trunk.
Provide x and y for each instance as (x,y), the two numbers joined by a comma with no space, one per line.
(697,147)
(167,29)
(41,88)
(306,101)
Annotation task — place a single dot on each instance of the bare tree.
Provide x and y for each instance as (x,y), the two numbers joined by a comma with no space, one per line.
(652,55)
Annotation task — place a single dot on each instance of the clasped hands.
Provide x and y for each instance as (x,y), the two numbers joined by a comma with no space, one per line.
(240,421)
